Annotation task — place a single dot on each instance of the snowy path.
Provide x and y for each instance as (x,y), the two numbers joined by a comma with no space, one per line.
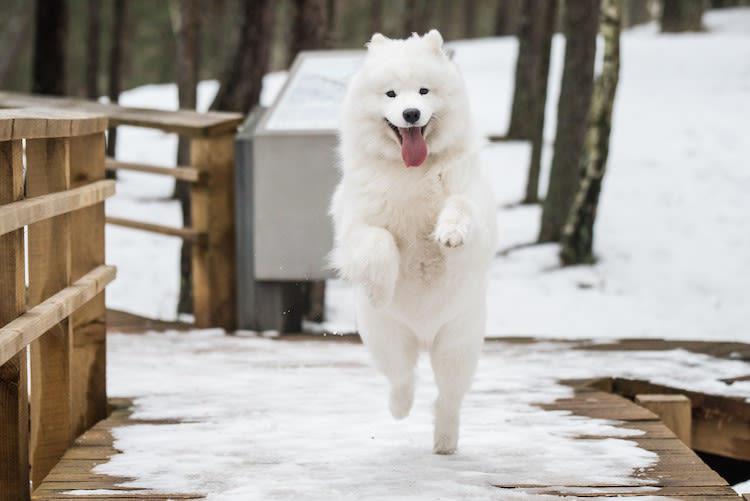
(267,419)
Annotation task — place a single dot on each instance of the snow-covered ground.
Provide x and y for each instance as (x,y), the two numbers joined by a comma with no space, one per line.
(671,236)
(266,419)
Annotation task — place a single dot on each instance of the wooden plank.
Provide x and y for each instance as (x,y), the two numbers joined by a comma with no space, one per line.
(189,234)
(695,493)
(48,171)
(95,437)
(721,434)
(673,411)
(79,466)
(23,330)
(82,452)
(651,430)
(189,123)
(129,323)
(42,123)
(59,495)
(6,129)
(719,349)
(14,419)
(88,322)
(680,474)
(601,405)
(212,211)
(184,173)
(33,210)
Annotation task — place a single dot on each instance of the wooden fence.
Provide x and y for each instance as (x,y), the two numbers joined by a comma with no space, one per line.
(212,193)
(58,219)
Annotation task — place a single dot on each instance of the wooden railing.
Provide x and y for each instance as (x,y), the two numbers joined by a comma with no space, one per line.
(210,175)
(61,316)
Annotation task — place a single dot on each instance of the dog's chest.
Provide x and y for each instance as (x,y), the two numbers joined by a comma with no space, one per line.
(411,219)
(422,258)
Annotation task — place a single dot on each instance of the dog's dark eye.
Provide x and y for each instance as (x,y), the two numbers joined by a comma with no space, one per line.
(423,91)
(390,93)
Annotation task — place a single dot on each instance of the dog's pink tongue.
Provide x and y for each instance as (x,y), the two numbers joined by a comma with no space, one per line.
(413,147)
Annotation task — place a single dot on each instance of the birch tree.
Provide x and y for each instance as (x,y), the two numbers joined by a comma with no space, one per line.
(578,232)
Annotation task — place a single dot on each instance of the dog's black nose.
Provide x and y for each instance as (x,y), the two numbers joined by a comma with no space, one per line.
(411,115)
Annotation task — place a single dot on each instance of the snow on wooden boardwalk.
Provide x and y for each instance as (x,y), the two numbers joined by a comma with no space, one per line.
(678,474)
(224,417)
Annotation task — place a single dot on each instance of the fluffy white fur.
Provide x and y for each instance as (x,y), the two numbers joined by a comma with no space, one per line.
(415,241)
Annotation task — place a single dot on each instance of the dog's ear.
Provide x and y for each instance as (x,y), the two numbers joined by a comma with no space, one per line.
(376,40)
(434,40)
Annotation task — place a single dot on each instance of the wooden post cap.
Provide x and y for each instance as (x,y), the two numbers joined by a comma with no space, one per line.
(674,410)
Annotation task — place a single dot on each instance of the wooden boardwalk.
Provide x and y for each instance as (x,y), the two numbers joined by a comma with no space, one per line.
(75,471)
(678,474)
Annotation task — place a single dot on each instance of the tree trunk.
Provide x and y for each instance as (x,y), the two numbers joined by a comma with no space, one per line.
(48,66)
(508,18)
(532,66)
(186,27)
(116,57)
(470,18)
(376,17)
(581,25)
(13,39)
(682,15)
(94,22)
(578,233)
(309,27)
(635,12)
(243,79)
(331,26)
(415,17)
(537,87)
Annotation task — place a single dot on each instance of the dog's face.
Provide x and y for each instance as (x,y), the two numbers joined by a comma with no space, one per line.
(401,99)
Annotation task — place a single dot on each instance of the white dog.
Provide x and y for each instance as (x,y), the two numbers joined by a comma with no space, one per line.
(415,221)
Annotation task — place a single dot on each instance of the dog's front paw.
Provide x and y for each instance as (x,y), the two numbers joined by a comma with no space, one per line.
(452,234)
(455,222)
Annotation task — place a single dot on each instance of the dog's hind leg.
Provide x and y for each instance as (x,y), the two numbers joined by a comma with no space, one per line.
(454,356)
(395,352)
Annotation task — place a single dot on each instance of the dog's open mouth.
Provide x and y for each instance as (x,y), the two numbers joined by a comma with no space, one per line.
(413,146)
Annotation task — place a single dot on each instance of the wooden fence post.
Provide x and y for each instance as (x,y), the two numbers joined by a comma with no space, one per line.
(87,155)
(212,211)
(48,171)
(674,411)
(14,407)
